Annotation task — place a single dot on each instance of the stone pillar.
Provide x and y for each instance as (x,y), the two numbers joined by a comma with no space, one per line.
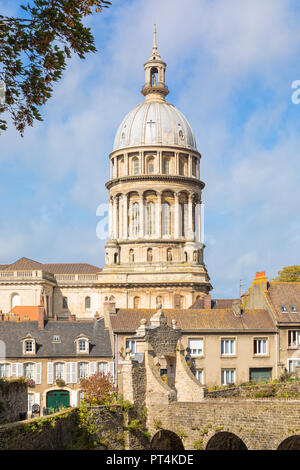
(125,216)
(190,165)
(177,163)
(176,216)
(111,169)
(159,216)
(126,172)
(110,218)
(159,162)
(115,217)
(142,160)
(142,222)
(190,217)
(199,222)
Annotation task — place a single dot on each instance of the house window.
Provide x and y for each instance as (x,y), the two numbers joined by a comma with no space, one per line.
(166,166)
(293,338)
(292,364)
(80,396)
(4,370)
(227,347)
(196,347)
(65,303)
(29,346)
(87,303)
(136,166)
(82,345)
(58,371)
(102,367)
(30,398)
(228,376)
(29,370)
(260,346)
(132,345)
(82,370)
(199,375)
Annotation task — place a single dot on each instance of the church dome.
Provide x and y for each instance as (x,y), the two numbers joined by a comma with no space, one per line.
(155,122)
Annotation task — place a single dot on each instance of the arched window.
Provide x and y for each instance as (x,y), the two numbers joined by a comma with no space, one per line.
(131,255)
(136,166)
(150,218)
(15,300)
(183,211)
(166,166)
(182,166)
(87,303)
(166,219)
(136,302)
(194,166)
(154,76)
(149,255)
(185,256)
(121,167)
(116,258)
(65,303)
(169,254)
(135,219)
(150,165)
(158,301)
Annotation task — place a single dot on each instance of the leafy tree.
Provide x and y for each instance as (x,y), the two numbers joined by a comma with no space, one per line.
(289,274)
(34,52)
(98,389)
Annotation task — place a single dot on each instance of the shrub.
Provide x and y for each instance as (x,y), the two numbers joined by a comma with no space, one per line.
(98,389)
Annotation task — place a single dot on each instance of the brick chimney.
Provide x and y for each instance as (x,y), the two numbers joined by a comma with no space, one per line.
(261,280)
(41,318)
(207,301)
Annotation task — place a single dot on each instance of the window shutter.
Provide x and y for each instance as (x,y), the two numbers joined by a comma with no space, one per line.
(38,373)
(19,369)
(14,369)
(50,373)
(112,370)
(74,398)
(37,399)
(68,372)
(93,368)
(74,372)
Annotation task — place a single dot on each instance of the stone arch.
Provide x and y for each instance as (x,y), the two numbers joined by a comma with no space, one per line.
(166,440)
(225,440)
(290,443)
(15,299)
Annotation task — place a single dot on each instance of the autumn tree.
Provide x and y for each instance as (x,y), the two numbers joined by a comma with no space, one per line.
(34,51)
(98,389)
(289,274)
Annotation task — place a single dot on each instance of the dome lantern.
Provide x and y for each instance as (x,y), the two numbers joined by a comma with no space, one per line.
(155,88)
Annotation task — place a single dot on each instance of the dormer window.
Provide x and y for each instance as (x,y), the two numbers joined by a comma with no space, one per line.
(29,345)
(293,308)
(283,308)
(56,339)
(82,345)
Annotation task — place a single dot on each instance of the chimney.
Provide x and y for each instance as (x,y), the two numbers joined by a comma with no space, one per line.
(260,280)
(110,305)
(41,318)
(207,301)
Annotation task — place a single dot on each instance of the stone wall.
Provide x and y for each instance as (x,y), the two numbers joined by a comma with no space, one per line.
(261,425)
(13,400)
(289,390)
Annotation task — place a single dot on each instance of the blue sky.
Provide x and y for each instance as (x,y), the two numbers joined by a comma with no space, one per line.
(230,66)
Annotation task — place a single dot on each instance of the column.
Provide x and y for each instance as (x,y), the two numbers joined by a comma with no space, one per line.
(111,169)
(115,218)
(190,217)
(125,216)
(126,173)
(190,165)
(110,218)
(141,205)
(142,162)
(159,162)
(159,216)
(176,216)
(177,163)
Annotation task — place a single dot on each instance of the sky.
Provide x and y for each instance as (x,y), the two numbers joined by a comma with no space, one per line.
(230,70)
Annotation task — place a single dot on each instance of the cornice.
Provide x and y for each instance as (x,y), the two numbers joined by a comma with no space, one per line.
(166,178)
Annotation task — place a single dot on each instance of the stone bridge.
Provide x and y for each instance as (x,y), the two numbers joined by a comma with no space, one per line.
(226,425)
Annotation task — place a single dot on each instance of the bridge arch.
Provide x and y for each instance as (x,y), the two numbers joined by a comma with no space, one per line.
(166,440)
(290,443)
(225,441)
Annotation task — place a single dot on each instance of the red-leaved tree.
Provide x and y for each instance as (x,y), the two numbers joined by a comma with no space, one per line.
(98,389)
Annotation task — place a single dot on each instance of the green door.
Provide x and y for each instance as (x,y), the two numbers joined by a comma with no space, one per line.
(261,375)
(57,399)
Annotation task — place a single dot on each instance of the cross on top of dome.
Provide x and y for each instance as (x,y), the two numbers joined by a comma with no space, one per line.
(155,88)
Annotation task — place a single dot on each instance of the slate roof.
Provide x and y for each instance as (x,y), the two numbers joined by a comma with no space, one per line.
(54,268)
(201,319)
(287,294)
(12,334)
